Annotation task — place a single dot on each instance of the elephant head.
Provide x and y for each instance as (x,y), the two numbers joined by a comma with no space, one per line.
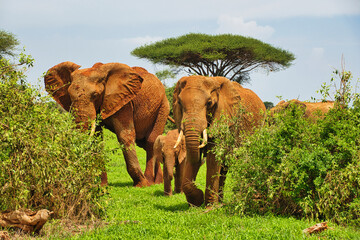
(197,102)
(103,88)
(171,157)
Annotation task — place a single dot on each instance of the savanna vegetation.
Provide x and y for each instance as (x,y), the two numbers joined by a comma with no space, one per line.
(295,166)
(45,161)
(287,176)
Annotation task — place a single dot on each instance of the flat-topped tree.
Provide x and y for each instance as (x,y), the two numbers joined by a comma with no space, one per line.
(231,56)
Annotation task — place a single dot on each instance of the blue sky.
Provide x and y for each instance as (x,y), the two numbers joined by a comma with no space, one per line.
(318,32)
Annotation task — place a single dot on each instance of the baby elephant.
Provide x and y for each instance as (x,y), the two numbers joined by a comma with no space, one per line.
(170,157)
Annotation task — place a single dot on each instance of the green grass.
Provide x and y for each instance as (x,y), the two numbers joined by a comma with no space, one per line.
(145,213)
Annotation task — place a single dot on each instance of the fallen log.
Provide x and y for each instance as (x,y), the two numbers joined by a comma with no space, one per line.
(27,220)
(316,228)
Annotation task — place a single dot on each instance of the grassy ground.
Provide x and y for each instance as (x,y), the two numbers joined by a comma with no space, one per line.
(145,213)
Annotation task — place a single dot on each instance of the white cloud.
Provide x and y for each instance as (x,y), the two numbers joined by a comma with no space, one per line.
(237,25)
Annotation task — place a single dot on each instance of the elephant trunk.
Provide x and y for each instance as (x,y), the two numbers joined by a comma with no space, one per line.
(85,118)
(194,195)
(168,176)
(192,140)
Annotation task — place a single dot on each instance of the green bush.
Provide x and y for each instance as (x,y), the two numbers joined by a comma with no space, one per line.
(295,166)
(169,91)
(45,162)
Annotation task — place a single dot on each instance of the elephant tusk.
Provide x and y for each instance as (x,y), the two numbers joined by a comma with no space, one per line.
(93,126)
(179,139)
(205,139)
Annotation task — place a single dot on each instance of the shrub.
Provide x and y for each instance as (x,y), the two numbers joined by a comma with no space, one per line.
(169,91)
(45,162)
(295,166)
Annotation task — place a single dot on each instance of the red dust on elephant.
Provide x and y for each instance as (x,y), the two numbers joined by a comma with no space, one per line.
(131,101)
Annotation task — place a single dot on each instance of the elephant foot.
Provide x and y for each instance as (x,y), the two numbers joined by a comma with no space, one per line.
(142,183)
(150,181)
(168,193)
(212,206)
(195,198)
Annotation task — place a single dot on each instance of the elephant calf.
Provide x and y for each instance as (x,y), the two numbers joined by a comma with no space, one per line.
(171,156)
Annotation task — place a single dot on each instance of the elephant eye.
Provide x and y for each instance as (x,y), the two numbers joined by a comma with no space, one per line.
(94,95)
(209,103)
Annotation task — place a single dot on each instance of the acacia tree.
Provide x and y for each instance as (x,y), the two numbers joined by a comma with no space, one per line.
(227,55)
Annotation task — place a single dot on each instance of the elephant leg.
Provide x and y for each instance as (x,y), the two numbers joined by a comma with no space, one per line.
(123,126)
(153,169)
(103,176)
(153,172)
(179,174)
(158,173)
(222,179)
(212,179)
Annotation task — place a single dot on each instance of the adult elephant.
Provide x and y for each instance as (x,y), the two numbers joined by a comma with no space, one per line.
(198,101)
(312,110)
(172,154)
(131,101)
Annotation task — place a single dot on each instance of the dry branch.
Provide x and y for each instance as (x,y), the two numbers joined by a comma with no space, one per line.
(316,228)
(27,220)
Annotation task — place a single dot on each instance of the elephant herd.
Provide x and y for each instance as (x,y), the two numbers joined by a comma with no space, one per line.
(133,105)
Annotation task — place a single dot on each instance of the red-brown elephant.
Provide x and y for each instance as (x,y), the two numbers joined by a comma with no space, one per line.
(131,101)
(171,154)
(197,102)
(312,110)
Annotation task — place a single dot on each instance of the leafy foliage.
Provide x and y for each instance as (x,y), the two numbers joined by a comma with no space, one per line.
(8,43)
(227,55)
(166,74)
(296,166)
(169,91)
(45,162)
(269,105)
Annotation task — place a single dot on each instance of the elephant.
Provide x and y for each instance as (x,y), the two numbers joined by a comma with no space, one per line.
(132,104)
(312,110)
(198,101)
(171,154)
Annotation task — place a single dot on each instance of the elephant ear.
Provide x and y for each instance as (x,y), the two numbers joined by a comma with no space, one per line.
(176,106)
(122,84)
(57,81)
(229,96)
(182,151)
(158,145)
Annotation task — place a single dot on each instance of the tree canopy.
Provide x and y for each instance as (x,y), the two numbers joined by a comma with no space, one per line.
(8,43)
(231,56)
